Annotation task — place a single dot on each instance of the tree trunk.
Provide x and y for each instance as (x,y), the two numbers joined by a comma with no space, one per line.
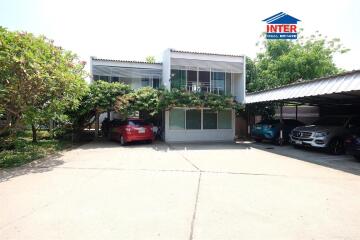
(96,124)
(34,133)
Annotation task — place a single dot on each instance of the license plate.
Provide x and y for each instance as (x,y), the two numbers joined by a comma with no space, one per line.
(298,142)
(141,130)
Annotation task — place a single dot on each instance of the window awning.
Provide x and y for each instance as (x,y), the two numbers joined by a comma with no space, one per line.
(333,90)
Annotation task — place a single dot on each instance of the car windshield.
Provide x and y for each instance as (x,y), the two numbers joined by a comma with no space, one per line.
(137,123)
(331,121)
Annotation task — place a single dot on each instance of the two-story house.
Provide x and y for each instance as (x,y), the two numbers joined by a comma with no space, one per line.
(193,71)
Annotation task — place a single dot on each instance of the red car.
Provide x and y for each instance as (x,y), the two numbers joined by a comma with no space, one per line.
(130,130)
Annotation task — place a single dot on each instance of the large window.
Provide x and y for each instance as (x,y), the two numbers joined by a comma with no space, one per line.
(193,119)
(105,78)
(191,80)
(228,84)
(218,82)
(178,78)
(145,82)
(204,81)
(209,119)
(177,119)
(114,79)
(156,83)
(180,119)
(224,118)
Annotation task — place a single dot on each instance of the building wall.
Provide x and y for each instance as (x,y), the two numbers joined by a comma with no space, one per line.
(199,135)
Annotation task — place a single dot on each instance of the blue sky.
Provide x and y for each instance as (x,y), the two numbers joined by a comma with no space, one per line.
(135,29)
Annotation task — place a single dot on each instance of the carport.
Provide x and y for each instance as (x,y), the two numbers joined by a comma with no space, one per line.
(334,95)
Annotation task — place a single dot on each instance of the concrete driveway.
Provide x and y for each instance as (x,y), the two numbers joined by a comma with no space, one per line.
(182,191)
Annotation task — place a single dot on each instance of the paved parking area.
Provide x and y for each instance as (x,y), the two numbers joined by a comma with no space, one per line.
(182,191)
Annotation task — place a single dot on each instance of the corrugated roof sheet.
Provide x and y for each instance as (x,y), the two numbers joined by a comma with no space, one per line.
(216,54)
(344,82)
(126,61)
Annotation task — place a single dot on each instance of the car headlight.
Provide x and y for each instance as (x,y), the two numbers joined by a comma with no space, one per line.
(321,134)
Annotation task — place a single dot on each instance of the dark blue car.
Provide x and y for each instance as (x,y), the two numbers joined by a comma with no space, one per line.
(270,130)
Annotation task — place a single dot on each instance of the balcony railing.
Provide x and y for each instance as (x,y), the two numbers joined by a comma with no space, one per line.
(201,87)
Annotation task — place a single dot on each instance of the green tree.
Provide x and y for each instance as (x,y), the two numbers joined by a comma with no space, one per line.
(38,80)
(102,97)
(150,59)
(286,61)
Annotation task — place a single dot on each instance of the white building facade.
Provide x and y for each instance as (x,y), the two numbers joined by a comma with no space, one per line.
(190,71)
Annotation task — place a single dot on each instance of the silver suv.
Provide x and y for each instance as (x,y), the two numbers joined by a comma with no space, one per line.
(327,132)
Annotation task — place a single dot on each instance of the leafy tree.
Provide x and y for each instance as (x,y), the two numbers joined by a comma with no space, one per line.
(153,101)
(102,97)
(150,59)
(286,61)
(144,99)
(38,80)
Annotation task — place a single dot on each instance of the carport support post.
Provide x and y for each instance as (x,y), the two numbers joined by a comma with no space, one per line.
(296,112)
(281,124)
(96,124)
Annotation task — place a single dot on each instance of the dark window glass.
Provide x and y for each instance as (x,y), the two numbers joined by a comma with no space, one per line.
(228,84)
(114,79)
(137,123)
(204,81)
(193,119)
(191,79)
(156,82)
(209,119)
(218,82)
(178,78)
(104,78)
(225,121)
(96,77)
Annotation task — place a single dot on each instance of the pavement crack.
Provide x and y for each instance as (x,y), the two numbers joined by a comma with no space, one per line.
(195,208)
(184,157)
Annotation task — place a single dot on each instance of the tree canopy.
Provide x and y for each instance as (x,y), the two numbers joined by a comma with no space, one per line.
(38,80)
(286,61)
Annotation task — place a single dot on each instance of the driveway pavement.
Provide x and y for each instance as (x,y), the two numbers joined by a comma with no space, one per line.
(182,191)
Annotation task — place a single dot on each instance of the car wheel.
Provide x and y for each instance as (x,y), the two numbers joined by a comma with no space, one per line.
(122,141)
(336,146)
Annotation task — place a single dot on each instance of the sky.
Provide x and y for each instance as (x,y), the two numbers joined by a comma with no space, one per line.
(134,29)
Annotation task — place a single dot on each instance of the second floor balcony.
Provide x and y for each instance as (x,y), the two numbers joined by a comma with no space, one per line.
(218,82)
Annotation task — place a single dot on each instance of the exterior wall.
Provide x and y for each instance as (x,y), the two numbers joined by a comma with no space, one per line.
(199,135)
(166,69)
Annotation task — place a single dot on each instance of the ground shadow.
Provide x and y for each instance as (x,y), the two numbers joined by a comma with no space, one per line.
(344,163)
(38,166)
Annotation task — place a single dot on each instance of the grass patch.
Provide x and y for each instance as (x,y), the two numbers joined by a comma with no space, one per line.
(22,150)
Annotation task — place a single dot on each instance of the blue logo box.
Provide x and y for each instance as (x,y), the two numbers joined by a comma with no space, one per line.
(281,35)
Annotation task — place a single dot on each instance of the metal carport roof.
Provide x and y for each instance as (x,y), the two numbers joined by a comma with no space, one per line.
(338,89)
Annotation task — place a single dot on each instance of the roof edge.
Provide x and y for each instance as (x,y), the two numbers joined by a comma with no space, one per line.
(124,61)
(206,53)
(305,82)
